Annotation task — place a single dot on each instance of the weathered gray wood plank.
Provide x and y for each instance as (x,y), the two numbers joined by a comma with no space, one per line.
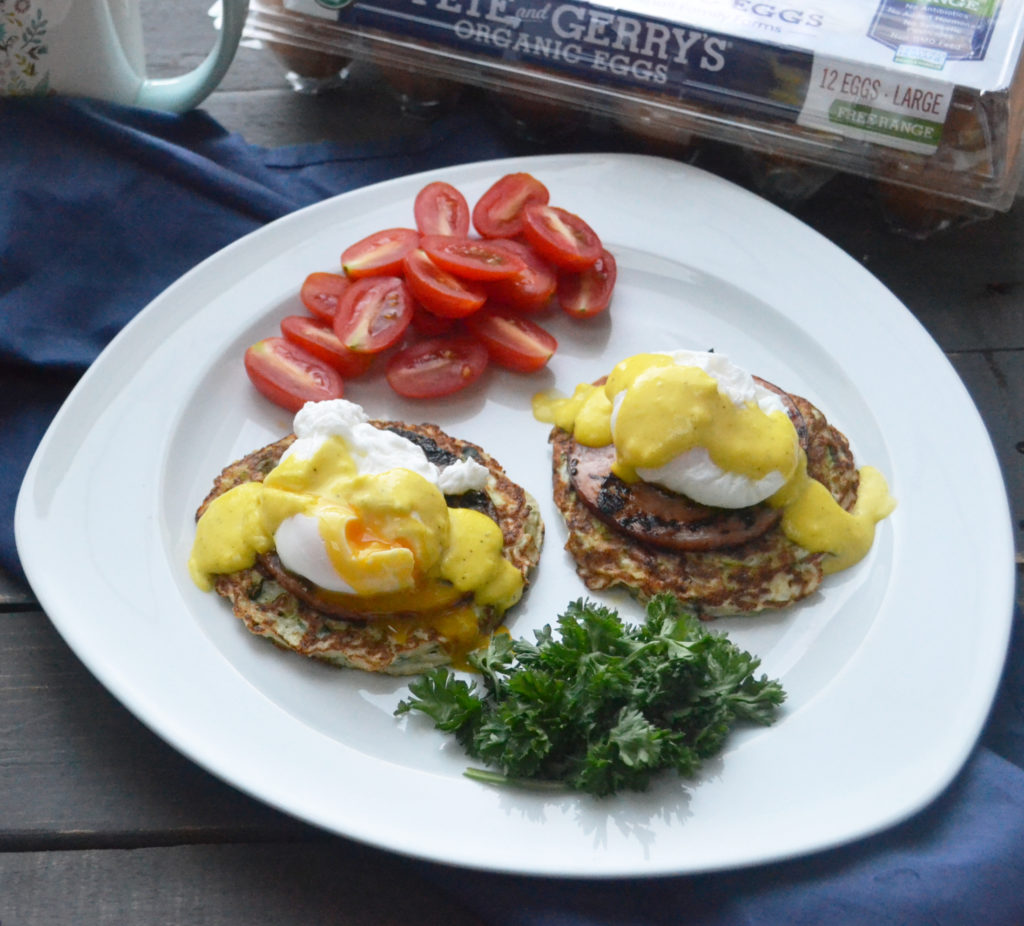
(77,768)
(965,285)
(179,35)
(14,594)
(277,118)
(995,380)
(255,885)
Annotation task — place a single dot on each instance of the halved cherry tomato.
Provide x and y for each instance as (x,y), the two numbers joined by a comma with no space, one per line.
(583,293)
(440,209)
(289,375)
(430,325)
(531,289)
(380,253)
(472,258)
(319,339)
(437,367)
(560,236)
(513,341)
(374,314)
(439,291)
(321,293)
(499,212)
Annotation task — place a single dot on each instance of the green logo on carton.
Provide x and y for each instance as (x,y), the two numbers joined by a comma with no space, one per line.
(883,122)
(985,8)
(333,4)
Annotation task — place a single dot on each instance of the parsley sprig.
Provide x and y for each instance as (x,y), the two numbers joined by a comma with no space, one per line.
(603,705)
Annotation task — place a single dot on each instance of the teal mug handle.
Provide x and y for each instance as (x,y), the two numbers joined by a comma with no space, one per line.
(179,94)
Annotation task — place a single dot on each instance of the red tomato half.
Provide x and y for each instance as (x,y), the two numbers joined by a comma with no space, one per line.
(560,236)
(499,212)
(531,289)
(471,258)
(439,291)
(380,253)
(430,325)
(440,209)
(513,341)
(437,367)
(320,340)
(289,375)
(583,293)
(374,314)
(321,293)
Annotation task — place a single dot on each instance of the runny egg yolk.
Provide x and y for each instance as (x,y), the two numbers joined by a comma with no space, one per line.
(654,409)
(390,537)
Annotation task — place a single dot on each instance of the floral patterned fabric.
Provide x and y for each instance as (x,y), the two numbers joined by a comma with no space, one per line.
(23,49)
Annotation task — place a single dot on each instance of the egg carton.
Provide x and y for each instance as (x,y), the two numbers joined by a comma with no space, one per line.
(924,97)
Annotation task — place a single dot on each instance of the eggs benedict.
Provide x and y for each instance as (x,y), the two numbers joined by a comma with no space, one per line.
(375,545)
(679,472)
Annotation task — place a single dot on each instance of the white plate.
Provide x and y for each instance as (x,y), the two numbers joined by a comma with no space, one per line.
(890,669)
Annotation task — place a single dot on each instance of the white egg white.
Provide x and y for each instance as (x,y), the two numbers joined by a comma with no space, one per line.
(694,473)
(373,450)
(301,549)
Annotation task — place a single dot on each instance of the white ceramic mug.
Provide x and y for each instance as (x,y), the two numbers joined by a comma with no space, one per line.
(94,48)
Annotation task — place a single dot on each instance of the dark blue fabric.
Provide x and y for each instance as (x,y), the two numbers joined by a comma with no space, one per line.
(102,207)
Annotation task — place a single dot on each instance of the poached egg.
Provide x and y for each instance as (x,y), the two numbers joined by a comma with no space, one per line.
(360,512)
(698,425)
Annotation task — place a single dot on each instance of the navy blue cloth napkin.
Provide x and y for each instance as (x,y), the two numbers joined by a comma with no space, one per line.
(102,207)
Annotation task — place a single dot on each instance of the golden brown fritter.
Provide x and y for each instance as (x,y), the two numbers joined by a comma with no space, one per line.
(283,607)
(767,572)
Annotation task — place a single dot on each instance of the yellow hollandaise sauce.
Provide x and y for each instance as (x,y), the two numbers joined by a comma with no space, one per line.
(391,540)
(664,409)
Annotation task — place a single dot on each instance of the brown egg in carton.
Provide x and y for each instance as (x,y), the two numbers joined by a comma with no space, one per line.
(310,64)
(430,52)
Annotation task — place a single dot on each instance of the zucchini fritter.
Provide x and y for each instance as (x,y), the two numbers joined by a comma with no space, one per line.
(767,572)
(285,608)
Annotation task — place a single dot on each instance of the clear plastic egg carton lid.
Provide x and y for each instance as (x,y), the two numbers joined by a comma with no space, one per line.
(924,96)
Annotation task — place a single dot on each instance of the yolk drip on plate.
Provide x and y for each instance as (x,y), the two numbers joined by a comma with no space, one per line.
(659,410)
(392,543)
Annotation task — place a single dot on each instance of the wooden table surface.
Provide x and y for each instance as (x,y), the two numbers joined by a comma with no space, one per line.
(101,822)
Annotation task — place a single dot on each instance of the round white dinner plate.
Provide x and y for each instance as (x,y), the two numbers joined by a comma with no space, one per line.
(890,668)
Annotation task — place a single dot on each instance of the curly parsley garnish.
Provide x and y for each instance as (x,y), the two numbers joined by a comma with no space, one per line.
(604,707)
